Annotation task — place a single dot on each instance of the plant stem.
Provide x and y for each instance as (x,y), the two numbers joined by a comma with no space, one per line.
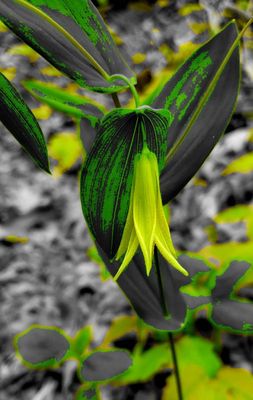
(116,100)
(175,367)
(130,85)
(166,313)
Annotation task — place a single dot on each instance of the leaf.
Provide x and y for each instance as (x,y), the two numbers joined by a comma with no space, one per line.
(226,282)
(230,384)
(19,120)
(144,295)
(193,350)
(81,341)
(243,165)
(120,327)
(224,253)
(66,149)
(146,365)
(104,365)
(42,346)
(65,101)
(199,121)
(72,36)
(234,316)
(107,174)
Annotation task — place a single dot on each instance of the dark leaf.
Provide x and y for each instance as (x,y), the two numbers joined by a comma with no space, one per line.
(233,315)
(63,32)
(182,95)
(87,133)
(41,346)
(104,365)
(20,121)
(144,295)
(196,301)
(226,282)
(107,175)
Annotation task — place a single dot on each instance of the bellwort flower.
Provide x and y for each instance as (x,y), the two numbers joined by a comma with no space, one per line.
(146,224)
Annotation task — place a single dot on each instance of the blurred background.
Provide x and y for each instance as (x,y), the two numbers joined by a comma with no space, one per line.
(50,272)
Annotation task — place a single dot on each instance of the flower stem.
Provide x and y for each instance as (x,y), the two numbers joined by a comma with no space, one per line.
(175,367)
(166,313)
(130,85)
(116,100)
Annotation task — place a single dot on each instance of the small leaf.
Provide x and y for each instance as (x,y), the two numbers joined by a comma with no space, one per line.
(81,340)
(42,346)
(103,365)
(65,101)
(225,283)
(19,120)
(243,165)
(72,36)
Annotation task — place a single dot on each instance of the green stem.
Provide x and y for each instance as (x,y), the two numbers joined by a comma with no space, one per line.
(67,36)
(175,366)
(129,84)
(116,100)
(166,313)
(208,92)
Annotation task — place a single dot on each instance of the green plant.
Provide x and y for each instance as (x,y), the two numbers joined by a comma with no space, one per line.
(137,159)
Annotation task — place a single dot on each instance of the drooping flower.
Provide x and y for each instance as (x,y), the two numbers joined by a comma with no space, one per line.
(120,191)
(146,224)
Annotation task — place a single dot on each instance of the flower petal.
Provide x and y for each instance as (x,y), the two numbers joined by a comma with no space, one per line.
(144,204)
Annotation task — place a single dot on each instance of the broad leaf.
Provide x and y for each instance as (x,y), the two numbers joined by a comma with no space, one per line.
(64,101)
(107,174)
(72,36)
(144,295)
(210,70)
(42,346)
(103,365)
(20,121)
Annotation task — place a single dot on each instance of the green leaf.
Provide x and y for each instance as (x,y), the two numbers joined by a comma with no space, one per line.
(107,174)
(198,351)
(65,101)
(146,365)
(72,36)
(42,346)
(81,341)
(230,383)
(20,121)
(210,77)
(224,253)
(243,165)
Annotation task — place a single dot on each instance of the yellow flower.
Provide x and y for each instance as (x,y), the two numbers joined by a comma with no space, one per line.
(146,224)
